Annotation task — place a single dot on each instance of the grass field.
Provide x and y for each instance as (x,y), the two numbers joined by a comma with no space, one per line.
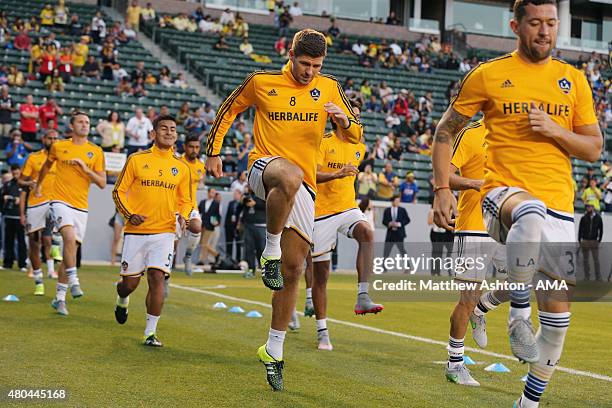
(208,358)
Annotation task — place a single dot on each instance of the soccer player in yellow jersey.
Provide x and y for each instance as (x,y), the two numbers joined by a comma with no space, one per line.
(336,211)
(472,242)
(78,164)
(291,110)
(152,192)
(538,112)
(35,217)
(192,159)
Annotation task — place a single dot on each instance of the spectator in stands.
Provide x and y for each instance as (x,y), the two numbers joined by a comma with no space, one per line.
(13,228)
(3,75)
(183,114)
(246,48)
(280,46)
(80,54)
(7,107)
(206,25)
(409,189)
(107,57)
(112,131)
(65,64)
(148,13)
(119,73)
(240,183)
(221,44)
(28,115)
(426,104)
(61,13)
(124,87)
(47,15)
(373,104)
(367,183)
(412,145)
(139,72)
(22,41)
(395,153)
(75,26)
(387,182)
(241,27)
(181,22)
(138,89)
(132,15)
(345,46)
(243,153)
(49,114)
(386,94)
(392,19)
(48,62)
(17,150)
(152,114)
(284,22)
(198,14)
(592,195)
(194,124)
(129,32)
(98,28)
(295,10)
(426,142)
(138,130)
(334,30)
(227,18)
(54,82)
(208,114)
(392,120)
(15,77)
(91,69)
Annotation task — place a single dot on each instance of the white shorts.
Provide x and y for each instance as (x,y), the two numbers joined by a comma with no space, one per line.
(326,228)
(478,244)
(301,217)
(141,252)
(557,253)
(36,217)
(64,215)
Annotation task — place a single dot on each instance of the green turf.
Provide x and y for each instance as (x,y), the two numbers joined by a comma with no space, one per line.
(209,356)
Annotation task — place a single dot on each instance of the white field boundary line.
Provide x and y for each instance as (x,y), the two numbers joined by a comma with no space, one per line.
(396,334)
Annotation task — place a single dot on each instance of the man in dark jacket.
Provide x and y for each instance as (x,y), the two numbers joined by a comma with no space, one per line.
(254,221)
(13,229)
(211,217)
(590,233)
(234,208)
(395,218)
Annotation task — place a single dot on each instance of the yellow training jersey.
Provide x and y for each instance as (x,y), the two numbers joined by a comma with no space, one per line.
(72,184)
(469,158)
(289,119)
(156,184)
(504,88)
(31,169)
(337,195)
(198,171)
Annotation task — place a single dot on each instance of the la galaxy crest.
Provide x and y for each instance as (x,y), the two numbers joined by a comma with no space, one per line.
(357,155)
(315,94)
(174,171)
(565,85)
(89,155)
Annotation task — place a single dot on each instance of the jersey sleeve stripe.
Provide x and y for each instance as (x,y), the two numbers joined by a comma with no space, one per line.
(473,125)
(347,104)
(120,207)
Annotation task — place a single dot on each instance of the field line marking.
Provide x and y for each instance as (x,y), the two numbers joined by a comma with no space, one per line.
(395,334)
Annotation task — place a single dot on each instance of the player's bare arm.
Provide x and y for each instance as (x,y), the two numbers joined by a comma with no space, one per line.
(214,167)
(584,142)
(97,177)
(348,170)
(22,207)
(445,204)
(457,182)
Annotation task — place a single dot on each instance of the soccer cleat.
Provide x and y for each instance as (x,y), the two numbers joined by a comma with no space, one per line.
(309,308)
(365,305)
(188,264)
(522,341)
(461,375)
(76,291)
(60,306)
(479,329)
(324,341)
(121,314)
(39,289)
(294,324)
(274,368)
(152,341)
(271,274)
(52,275)
(517,403)
(56,254)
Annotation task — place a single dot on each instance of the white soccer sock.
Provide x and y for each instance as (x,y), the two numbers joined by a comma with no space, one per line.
(455,349)
(73,278)
(362,287)
(274,345)
(60,291)
(522,251)
(50,266)
(486,303)
(273,248)
(151,327)
(192,242)
(123,302)
(38,276)
(321,324)
(308,293)
(549,338)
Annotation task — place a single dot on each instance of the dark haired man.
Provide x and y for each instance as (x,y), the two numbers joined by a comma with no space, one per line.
(292,108)
(539,112)
(80,163)
(153,187)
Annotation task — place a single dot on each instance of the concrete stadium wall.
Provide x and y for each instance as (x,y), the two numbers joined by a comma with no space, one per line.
(96,247)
